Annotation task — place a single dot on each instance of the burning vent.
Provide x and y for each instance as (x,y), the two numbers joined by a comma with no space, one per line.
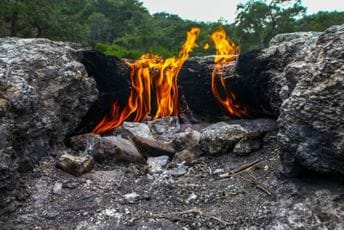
(154,90)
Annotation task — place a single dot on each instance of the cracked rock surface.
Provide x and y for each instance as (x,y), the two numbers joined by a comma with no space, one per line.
(44,93)
(311,119)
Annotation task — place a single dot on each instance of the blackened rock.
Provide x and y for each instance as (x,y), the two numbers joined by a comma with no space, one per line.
(113,84)
(194,82)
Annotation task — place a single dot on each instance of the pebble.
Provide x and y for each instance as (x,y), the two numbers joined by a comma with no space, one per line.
(57,189)
(218,171)
(192,197)
(156,164)
(131,197)
(180,171)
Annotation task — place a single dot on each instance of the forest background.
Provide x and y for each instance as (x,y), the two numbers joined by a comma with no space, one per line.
(126,29)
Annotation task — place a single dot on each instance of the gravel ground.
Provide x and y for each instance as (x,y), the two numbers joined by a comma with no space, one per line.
(127,196)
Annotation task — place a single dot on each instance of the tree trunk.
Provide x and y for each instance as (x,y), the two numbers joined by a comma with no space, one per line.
(14,21)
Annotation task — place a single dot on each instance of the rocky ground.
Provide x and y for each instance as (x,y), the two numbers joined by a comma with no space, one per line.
(228,191)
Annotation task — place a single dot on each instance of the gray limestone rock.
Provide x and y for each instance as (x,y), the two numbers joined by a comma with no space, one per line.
(184,140)
(165,127)
(247,145)
(44,93)
(107,148)
(311,119)
(131,129)
(220,138)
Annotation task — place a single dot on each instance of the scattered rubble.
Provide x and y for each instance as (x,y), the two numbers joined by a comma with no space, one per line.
(135,142)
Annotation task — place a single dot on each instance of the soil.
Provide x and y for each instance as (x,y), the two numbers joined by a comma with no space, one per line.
(118,195)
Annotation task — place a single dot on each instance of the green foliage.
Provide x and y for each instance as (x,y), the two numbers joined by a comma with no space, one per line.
(118,51)
(124,28)
(320,21)
(258,21)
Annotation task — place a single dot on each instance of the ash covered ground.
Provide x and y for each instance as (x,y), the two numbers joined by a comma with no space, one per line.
(130,196)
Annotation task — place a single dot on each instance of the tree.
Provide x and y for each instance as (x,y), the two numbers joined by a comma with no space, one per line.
(258,21)
(320,21)
(99,28)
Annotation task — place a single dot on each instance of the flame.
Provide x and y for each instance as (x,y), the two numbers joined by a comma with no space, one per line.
(226,53)
(151,74)
(154,80)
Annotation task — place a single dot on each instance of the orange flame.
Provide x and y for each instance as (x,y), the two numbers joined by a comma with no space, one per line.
(150,73)
(154,79)
(226,53)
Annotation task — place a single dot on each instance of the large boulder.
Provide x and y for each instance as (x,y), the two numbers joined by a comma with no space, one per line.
(311,122)
(44,93)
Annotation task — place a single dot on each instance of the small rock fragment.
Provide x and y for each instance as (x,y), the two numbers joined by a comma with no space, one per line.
(179,171)
(107,148)
(57,188)
(119,148)
(131,197)
(156,164)
(191,198)
(247,145)
(188,156)
(218,171)
(75,165)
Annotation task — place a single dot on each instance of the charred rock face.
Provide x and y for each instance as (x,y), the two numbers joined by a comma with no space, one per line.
(195,84)
(113,84)
(247,79)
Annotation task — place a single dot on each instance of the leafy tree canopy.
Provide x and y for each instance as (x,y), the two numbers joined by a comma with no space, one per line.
(126,29)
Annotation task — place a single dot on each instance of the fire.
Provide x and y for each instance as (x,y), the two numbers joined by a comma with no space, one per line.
(154,81)
(151,74)
(226,53)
